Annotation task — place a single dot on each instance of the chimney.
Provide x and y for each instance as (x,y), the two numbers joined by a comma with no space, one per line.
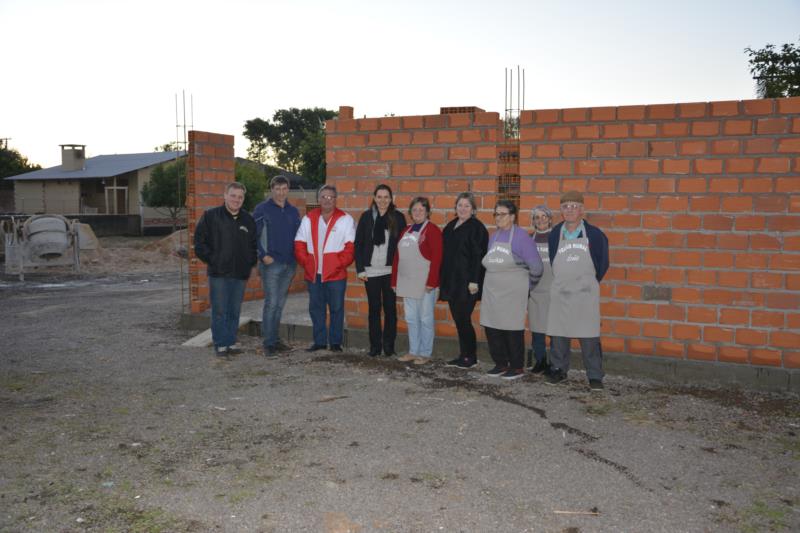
(345,111)
(73,157)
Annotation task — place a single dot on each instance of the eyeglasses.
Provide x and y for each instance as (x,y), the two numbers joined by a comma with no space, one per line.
(500,215)
(541,217)
(327,197)
(570,207)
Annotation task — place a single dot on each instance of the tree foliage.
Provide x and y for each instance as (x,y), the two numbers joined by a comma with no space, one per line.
(294,139)
(13,163)
(254,179)
(777,72)
(166,190)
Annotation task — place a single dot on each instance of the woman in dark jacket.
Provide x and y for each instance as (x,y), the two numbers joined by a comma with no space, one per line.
(461,276)
(375,245)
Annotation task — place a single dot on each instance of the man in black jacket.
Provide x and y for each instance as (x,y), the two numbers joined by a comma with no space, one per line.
(225,240)
(579,256)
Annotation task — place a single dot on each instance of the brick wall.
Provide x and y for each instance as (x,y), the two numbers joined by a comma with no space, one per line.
(701,203)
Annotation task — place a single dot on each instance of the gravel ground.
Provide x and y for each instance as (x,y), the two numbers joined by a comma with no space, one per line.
(108,424)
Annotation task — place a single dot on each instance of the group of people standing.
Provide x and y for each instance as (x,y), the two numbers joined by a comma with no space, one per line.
(550,277)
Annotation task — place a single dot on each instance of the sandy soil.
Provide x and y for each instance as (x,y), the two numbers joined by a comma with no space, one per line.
(108,424)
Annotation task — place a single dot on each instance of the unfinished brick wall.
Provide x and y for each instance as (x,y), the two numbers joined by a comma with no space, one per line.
(701,203)
(210,167)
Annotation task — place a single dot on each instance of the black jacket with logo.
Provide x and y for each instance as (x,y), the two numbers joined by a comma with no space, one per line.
(225,243)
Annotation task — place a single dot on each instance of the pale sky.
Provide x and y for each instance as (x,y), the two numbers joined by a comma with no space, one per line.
(105,73)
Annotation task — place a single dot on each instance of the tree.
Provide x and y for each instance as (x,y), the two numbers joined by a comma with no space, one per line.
(13,163)
(294,139)
(254,179)
(777,73)
(162,191)
(171,146)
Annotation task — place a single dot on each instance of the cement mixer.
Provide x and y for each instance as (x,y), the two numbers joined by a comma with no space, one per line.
(41,241)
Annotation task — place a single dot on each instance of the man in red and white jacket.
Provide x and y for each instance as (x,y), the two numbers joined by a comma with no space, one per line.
(324,248)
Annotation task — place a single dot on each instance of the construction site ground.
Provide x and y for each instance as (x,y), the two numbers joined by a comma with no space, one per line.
(108,424)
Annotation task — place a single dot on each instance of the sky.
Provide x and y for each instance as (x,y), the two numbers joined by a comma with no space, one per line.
(105,73)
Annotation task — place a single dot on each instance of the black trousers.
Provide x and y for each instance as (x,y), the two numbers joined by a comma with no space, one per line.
(381,296)
(462,316)
(507,348)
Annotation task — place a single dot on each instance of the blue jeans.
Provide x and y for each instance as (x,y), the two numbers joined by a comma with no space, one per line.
(419,318)
(322,297)
(275,281)
(226,303)
(539,346)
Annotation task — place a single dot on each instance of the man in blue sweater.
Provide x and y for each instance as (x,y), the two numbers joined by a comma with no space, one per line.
(276,225)
(579,256)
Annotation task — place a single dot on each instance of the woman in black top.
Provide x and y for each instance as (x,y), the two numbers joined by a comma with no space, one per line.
(375,245)
(461,276)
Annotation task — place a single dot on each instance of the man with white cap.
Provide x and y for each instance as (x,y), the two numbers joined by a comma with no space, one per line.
(579,257)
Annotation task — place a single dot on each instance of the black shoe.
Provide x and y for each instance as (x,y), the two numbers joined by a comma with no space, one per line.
(280,346)
(389,352)
(596,385)
(234,349)
(270,351)
(497,371)
(316,347)
(467,363)
(374,352)
(336,347)
(453,362)
(541,367)
(222,352)
(556,376)
(513,373)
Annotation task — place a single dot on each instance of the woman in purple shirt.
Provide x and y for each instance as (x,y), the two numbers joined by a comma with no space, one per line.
(513,267)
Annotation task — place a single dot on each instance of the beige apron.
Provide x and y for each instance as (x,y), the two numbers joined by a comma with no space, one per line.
(539,299)
(412,267)
(505,288)
(575,293)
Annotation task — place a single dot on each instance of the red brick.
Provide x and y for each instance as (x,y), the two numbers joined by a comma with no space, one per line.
(411,154)
(459,152)
(631,112)
(559,168)
(750,223)
(692,110)
(559,133)
(602,185)
(548,150)
(732,316)
(677,166)
(725,146)
(752,261)
(587,132)
(757,185)
(655,329)
(724,109)
(447,136)
(485,152)
(723,185)
(758,107)
(731,242)
(768,319)
(434,154)
(738,127)
(531,134)
(717,334)
(790,301)
(701,352)
(751,337)
(401,138)
(645,130)
(708,166)
(662,148)
(547,115)
(599,114)
(702,277)
(435,121)
(683,221)
(764,242)
(613,166)
(789,145)
(626,328)
(733,279)
(615,131)
(645,166)
(685,332)
(486,118)
(574,115)
(633,149)
(740,165)
(531,168)
(660,185)
(759,146)
(604,149)
(789,105)
(692,185)
(784,223)
(705,315)
(693,147)
(771,203)
(705,128)
(773,165)
(422,137)
(732,354)
(675,129)
(765,357)
(474,169)
(673,203)
(661,111)
(784,339)
(689,259)
(737,203)
(718,260)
